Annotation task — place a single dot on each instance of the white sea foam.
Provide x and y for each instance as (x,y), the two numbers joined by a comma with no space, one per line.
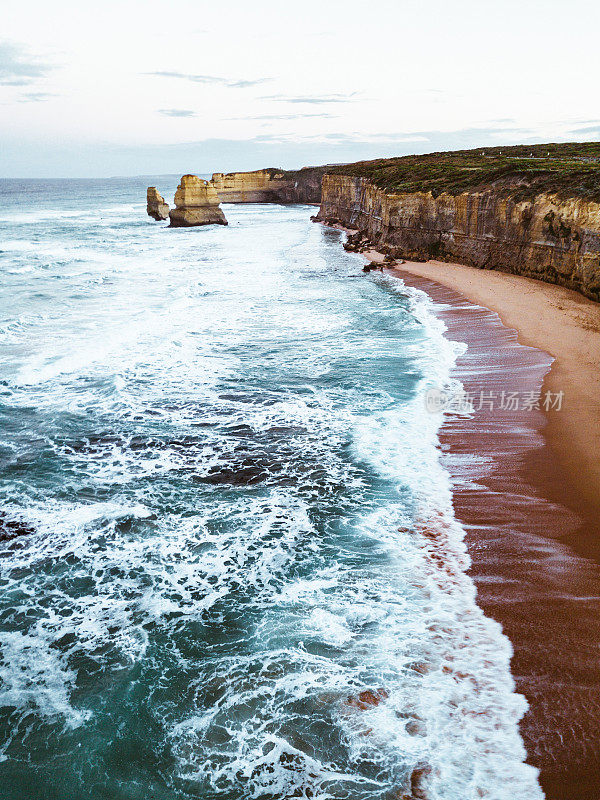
(233,514)
(465,701)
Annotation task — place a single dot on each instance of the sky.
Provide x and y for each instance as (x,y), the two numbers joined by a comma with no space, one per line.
(93,89)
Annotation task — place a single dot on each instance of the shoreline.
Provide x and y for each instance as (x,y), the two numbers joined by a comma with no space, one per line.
(546,597)
(566,325)
(523,489)
(518,531)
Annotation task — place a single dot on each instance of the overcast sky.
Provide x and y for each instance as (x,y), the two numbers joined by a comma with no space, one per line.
(128,87)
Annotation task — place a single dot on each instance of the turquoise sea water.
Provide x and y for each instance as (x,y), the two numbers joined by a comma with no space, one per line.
(223,519)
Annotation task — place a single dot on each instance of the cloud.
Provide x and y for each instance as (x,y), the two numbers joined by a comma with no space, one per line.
(587,129)
(208,79)
(246,84)
(36,97)
(353,145)
(176,112)
(324,115)
(17,68)
(337,97)
(73,158)
(343,138)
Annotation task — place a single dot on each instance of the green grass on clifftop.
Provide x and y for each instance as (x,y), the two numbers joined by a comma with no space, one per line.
(523,171)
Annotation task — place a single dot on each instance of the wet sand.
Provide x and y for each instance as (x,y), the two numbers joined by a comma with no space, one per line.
(566,325)
(524,487)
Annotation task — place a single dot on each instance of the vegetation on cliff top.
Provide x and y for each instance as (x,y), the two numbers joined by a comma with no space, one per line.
(523,171)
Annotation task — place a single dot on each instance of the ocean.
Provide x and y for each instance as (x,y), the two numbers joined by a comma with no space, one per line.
(230,565)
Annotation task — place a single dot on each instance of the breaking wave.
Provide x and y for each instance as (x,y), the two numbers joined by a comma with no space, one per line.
(231,567)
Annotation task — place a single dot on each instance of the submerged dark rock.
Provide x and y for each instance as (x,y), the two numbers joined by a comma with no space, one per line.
(418,781)
(369,698)
(11,528)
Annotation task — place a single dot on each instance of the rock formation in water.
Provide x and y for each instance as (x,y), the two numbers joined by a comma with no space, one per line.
(545,236)
(155,204)
(532,210)
(196,203)
(10,528)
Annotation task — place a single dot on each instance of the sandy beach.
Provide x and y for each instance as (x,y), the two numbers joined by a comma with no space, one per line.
(566,325)
(525,486)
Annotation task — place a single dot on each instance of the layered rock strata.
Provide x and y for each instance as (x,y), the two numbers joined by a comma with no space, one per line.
(196,203)
(270,186)
(155,204)
(261,186)
(549,238)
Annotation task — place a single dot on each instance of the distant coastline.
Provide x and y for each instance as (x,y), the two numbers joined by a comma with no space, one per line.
(529,210)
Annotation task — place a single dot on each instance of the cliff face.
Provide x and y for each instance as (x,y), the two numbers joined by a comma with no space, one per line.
(196,203)
(302,185)
(261,186)
(531,210)
(549,238)
(269,186)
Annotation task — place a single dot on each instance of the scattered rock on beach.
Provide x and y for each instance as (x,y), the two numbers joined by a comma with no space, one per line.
(155,204)
(196,203)
(354,242)
(357,243)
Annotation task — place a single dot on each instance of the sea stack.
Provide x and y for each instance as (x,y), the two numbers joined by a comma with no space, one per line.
(155,204)
(196,203)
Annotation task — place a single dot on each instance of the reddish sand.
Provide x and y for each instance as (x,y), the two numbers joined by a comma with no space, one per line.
(527,489)
(566,325)
(525,493)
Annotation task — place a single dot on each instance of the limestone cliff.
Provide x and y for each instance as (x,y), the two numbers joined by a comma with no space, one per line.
(303,185)
(270,186)
(529,209)
(548,237)
(261,186)
(196,203)
(155,204)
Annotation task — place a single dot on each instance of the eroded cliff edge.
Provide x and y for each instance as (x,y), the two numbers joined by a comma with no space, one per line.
(537,222)
(270,185)
(532,210)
